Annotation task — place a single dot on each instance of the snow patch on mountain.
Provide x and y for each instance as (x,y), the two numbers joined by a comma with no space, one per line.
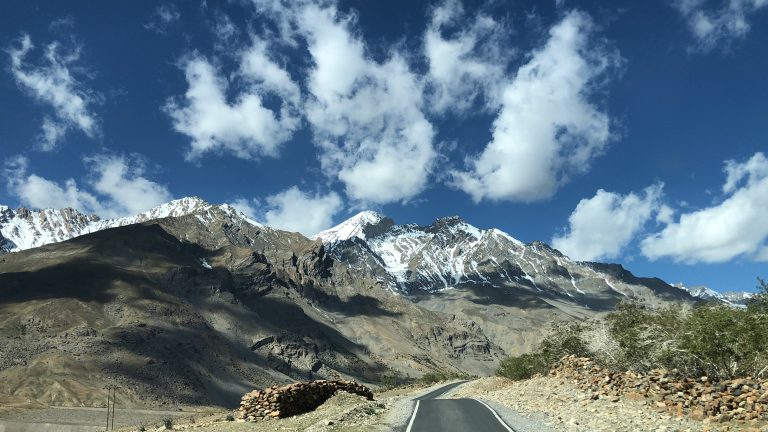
(353,227)
(733,298)
(24,229)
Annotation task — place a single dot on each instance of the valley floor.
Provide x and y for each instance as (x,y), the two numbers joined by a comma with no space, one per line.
(541,404)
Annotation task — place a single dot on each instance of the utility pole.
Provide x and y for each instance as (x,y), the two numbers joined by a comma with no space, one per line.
(108,390)
(111,398)
(114,403)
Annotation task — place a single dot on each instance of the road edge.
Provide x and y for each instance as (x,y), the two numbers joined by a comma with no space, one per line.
(495,414)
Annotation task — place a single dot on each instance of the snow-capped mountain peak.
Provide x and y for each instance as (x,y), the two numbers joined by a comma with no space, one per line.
(350,228)
(175,208)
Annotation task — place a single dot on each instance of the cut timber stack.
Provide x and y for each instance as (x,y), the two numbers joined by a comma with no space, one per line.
(744,400)
(294,399)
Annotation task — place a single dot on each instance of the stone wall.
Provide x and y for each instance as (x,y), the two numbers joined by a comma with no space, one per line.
(739,399)
(294,399)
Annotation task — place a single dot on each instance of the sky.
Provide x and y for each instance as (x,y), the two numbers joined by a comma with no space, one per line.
(622,131)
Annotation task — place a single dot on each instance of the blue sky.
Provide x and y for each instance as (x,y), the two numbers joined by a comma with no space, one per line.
(629,132)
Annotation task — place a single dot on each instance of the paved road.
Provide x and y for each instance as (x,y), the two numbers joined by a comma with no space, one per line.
(448,415)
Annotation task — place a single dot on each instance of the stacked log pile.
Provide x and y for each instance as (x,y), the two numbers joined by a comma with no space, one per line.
(738,399)
(294,399)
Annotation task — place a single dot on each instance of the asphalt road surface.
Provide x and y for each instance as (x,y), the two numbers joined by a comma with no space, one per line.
(453,415)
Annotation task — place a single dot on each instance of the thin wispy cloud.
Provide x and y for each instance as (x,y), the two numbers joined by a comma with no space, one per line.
(50,80)
(716,24)
(163,17)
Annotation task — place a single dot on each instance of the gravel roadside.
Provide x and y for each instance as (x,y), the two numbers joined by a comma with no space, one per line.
(560,406)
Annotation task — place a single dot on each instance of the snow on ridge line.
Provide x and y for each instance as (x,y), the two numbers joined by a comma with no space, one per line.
(46,226)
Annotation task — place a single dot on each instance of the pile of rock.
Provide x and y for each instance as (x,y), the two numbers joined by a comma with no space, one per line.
(293,399)
(738,399)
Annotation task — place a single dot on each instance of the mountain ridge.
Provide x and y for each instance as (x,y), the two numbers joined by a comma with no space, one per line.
(22,229)
(201,300)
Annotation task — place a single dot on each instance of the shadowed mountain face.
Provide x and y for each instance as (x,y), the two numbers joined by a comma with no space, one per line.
(199,308)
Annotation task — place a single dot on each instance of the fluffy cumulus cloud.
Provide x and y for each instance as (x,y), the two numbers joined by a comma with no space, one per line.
(718,22)
(372,112)
(117,187)
(366,115)
(602,226)
(737,226)
(467,57)
(294,210)
(51,82)
(246,126)
(548,127)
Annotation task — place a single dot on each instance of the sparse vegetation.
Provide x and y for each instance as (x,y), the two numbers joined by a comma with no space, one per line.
(711,339)
(391,380)
(230,417)
(168,423)
(524,366)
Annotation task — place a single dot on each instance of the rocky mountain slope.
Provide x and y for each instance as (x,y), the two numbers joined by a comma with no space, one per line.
(195,303)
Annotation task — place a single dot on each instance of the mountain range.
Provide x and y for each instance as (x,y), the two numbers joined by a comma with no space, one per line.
(195,303)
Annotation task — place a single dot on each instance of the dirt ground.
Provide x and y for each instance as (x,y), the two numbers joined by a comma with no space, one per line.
(343,412)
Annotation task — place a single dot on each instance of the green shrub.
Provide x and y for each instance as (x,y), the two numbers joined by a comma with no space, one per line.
(712,339)
(565,338)
(168,423)
(391,380)
(525,366)
(726,342)
(647,338)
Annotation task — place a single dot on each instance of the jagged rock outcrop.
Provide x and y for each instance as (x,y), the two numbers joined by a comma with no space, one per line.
(294,399)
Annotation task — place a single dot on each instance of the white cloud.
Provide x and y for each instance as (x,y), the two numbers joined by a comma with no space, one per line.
(52,83)
(38,193)
(366,115)
(246,127)
(162,18)
(122,181)
(548,129)
(245,206)
(720,24)
(117,187)
(294,210)
(738,226)
(602,226)
(469,63)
